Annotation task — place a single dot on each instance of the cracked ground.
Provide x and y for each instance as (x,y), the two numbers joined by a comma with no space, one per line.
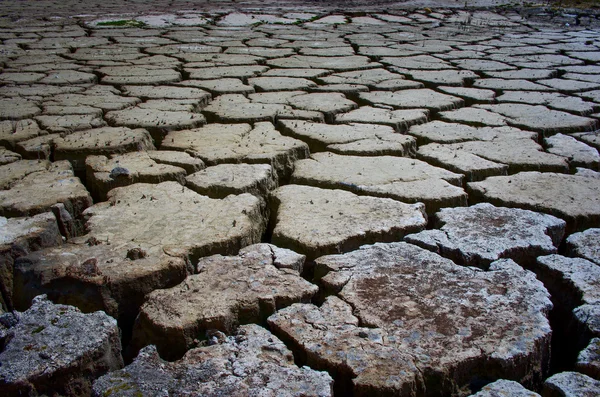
(299,199)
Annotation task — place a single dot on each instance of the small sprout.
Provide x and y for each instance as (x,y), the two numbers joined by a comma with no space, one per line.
(38,330)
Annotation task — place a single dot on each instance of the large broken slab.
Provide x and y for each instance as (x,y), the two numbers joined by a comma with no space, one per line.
(418,332)
(353,139)
(18,237)
(571,384)
(505,387)
(251,362)
(573,198)
(481,234)
(398,178)
(318,221)
(104,174)
(56,349)
(586,244)
(127,254)
(239,143)
(38,189)
(100,141)
(226,292)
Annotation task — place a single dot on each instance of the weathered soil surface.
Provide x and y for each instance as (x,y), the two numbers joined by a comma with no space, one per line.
(299,198)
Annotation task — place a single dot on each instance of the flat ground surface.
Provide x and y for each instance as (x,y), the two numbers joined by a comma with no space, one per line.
(320,127)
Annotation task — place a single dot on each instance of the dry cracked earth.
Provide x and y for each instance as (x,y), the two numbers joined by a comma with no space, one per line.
(300,203)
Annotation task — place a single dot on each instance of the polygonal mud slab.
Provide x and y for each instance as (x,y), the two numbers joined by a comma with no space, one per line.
(13,131)
(577,153)
(105,100)
(574,281)
(473,117)
(573,198)
(442,132)
(68,77)
(571,384)
(281,83)
(398,178)
(225,179)
(339,63)
(318,221)
(588,360)
(221,86)
(540,118)
(418,62)
(505,387)
(226,292)
(56,349)
(142,75)
(237,108)
(104,174)
(422,333)
(481,234)
(178,159)
(586,244)
(37,148)
(352,139)
(511,84)
(239,143)
(470,95)
(37,189)
(329,104)
(158,122)
(591,138)
(252,362)
(67,123)
(474,168)
(400,120)
(407,99)
(18,237)
(166,92)
(520,154)
(442,77)
(553,100)
(18,108)
(7,157)
(372,78)
(219,72)
(100,141)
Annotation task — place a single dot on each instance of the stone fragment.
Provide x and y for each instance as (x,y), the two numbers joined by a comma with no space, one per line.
(102,173)
(586,244)
(100,141)
(352,139)
(252,362)
(318,221)
(400,120)
(224,179)
(408,99)
(540,118)
(36,190)
(418,332)
(578,154)
(226,292)
(398,178)
(588,360)
(56,349)
(481,234)
(570,384)
(18,237)
(570,197)
(503,387)
(239,143)
(474,167)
